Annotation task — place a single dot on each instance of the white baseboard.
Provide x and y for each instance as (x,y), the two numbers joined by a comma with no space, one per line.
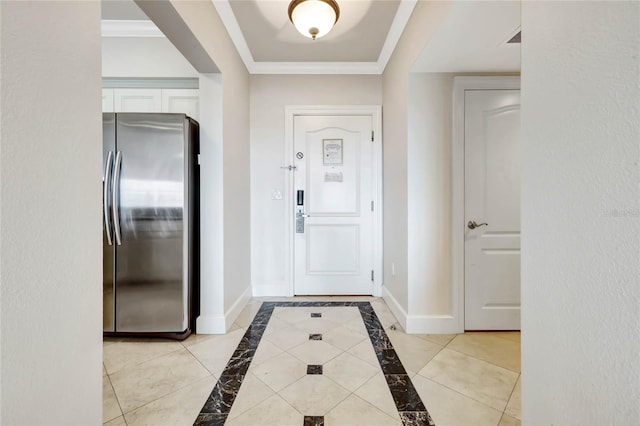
(432,324)
(210,324)
(396,309)
(421,324)
(232,313)
(278,290)
(220,324)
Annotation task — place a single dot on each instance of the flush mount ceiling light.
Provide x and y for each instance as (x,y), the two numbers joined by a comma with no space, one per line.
(314,18)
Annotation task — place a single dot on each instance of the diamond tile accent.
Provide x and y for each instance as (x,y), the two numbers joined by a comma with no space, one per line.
(314,369)
(316,315)
(313,421)
(315,337)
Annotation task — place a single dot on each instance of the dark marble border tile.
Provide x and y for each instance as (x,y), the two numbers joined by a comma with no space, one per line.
(416,418)
(410,407)
(208,419)
(404,394)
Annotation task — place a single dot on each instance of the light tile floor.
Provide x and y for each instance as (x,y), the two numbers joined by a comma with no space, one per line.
(467,379)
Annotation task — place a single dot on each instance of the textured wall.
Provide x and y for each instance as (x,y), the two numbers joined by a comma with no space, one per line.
(51,229)
(581,213)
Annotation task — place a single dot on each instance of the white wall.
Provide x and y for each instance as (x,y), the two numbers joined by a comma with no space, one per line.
(269,96)
(143,57)
(429,183)
(50,183)
(425,20)
(581,213)
(211,210)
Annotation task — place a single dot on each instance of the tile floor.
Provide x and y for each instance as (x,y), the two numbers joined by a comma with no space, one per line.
(307,368)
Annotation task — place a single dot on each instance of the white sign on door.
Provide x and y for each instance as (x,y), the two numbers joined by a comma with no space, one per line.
(332,149)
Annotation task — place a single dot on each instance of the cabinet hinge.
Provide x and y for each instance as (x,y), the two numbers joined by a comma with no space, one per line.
(372,136)
(371,275)
(372,206)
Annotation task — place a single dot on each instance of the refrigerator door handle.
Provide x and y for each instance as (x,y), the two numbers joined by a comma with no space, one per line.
(115,192)
(105,196)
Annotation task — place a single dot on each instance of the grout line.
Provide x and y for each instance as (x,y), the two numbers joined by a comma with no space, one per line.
(462,394)
(500,420)
(257,403)
(511,395)
(203,366)
(127,366)
(164,396)
(483,360)
(117,400)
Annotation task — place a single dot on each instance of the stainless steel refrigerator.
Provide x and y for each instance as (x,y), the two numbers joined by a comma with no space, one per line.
(151,224)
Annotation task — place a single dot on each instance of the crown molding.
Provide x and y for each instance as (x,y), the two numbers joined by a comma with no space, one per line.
(315,68)
(130,28)
(233,28)
(405,8)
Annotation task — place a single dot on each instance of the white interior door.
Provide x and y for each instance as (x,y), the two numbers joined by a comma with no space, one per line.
(333,243)
(492,209)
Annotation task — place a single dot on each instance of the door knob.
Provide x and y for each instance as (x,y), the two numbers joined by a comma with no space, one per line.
(473,225)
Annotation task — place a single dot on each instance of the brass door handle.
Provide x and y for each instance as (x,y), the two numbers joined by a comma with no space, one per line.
(473,225)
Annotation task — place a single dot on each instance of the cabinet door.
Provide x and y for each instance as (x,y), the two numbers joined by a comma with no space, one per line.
(107,100)
(185,101)
(138,100)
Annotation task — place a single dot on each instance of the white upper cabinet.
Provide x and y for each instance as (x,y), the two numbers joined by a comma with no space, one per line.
(137,100)
(107,100)
(186,101)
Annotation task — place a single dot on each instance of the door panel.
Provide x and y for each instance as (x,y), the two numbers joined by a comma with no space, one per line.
(334,254)
(333,249)
(492,196)
(150,270)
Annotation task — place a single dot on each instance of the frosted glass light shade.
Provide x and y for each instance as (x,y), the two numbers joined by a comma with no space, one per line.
(313,18)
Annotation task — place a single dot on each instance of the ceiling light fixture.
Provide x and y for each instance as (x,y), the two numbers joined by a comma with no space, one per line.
(314,18)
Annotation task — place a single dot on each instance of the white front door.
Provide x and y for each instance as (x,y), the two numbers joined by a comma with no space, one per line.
(334,191)
(492,209)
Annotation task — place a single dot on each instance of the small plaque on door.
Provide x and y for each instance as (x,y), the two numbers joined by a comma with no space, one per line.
(333,177)
(332,149)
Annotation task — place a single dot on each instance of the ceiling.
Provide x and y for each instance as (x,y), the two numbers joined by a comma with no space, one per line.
(472,38)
